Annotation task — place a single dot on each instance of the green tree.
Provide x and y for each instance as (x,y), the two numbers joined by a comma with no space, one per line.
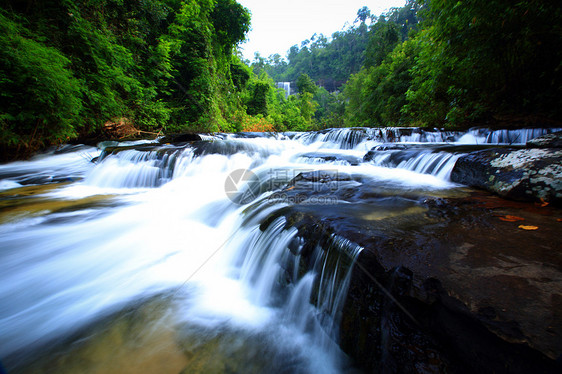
(306,85)
(377,95)
(363,14)
(479,58)
(40,96)
(159,64)
(330,108)
(258,100)
(307,107)
(384,38)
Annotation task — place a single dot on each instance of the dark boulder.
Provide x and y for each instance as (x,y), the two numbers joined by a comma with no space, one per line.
(180,138)
(547,141)
(443,285)
(532,174)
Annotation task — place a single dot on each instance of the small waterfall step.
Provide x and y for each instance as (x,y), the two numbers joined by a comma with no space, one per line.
(437,160)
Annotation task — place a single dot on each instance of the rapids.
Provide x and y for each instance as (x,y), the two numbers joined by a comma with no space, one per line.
(92,237)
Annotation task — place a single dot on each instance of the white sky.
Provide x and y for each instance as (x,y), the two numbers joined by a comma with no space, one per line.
(279,24)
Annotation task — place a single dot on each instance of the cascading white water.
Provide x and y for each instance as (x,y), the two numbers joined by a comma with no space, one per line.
(518,136)
(135,169)
(439,164)
(285,86)
(142,222)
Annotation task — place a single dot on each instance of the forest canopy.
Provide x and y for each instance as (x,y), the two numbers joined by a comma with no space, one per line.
(437,63)
(67,67)
(74,68)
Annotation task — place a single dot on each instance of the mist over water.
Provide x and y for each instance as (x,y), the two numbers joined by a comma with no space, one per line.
(82,241)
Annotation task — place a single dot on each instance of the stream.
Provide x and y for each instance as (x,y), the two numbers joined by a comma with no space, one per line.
(162,257)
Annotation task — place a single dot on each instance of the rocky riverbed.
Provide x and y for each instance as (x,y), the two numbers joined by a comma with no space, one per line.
(462,282)
(445,277)
(532,173)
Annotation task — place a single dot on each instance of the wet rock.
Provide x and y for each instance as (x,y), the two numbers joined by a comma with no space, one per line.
(458,291)
(180,138)
(531,174)
(138,338)
(225,147)
(110,149)
(442,285)
(327,157)
(390,147)
(547,141)
(322,176)
(107,143)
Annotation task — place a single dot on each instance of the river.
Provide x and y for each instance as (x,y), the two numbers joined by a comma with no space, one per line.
(143,256)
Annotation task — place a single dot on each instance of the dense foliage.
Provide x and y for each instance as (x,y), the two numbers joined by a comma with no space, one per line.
(434,63)
(75,67)
(350,53)
(470,62)
(71,66)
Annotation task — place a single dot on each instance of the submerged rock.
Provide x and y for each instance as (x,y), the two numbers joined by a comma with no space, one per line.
(531,174)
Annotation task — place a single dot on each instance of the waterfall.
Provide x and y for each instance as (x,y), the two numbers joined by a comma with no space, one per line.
(82,240)
(365,138)
(437,163)
(518,136)
(135,169)
(308,288)
(286,86)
